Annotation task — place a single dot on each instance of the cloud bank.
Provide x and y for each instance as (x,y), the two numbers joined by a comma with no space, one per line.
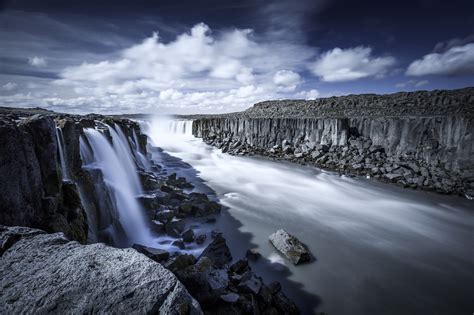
(457,60)
(350,64)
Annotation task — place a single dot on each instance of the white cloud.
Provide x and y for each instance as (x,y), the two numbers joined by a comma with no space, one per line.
(308,95)
(415,83)
(350,64)
(287,79)
(197,69)
(9,86)
(456,60)
(37,62)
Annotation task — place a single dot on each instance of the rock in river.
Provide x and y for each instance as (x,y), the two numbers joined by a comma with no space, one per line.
(290,246)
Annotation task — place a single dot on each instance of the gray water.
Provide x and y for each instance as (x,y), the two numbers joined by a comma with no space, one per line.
(379,249)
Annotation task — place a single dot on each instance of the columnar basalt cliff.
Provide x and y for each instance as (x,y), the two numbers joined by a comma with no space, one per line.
(419,139)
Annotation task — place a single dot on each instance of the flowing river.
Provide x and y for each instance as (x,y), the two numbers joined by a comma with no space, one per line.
(379,249)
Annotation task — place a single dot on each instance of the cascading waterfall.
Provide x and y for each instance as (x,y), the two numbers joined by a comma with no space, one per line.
(62,155)
(140,157)
(121,180)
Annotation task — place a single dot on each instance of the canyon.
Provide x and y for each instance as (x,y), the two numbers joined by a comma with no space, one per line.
(422,140)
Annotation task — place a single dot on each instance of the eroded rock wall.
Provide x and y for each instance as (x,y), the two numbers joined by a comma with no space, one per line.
(437,144)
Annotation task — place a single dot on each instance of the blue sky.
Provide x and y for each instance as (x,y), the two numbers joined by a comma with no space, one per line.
(222,56)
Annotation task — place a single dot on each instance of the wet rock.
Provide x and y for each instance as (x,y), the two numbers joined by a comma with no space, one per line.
(179,244)
(188,236)
(215,233)
(165,215)
(157,226)
(175,226)
(155,254)
(284,304)
(290,246)
(218,252)
(37,268)
(229,297)
(240,267)
(200,239)
(179,262)
(249,283)
(252,254)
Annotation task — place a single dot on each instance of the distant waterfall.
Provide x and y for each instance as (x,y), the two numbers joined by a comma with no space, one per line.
(115,162)
(62,155)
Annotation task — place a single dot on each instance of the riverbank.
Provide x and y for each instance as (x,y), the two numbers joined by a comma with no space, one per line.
(421,140)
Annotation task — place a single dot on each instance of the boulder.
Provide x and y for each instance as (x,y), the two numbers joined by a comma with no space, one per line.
(290,246)
(188,236)
(218,252)
(48,273)
(155,254)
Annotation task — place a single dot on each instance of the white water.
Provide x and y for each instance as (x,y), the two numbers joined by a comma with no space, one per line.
(62,155)
(379,248)
(120,176)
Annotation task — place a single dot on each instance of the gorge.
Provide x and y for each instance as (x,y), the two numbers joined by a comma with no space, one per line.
(156,214)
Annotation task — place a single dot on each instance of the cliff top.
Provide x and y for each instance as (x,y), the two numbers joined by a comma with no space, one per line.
(419,103)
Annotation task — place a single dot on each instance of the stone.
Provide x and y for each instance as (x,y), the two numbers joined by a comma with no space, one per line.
(240,266)
(218,252)
(179,244)
(155,254)
(175,226)
(290,246)
(47,273)
(165,215)
(284,304)
(179,262)
(229,297)
(252,254)
(200,239)
(249,283)
(157,226)
(188,236)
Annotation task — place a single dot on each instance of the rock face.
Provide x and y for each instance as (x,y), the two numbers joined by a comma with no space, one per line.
(424,137)
(32,190)
(290,246)
(50,274)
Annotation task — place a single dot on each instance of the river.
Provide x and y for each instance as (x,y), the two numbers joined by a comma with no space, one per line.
(379,249)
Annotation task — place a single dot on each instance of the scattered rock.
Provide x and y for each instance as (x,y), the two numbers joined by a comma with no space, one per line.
(252,254)
(156,254)
(290,246)
(218,252)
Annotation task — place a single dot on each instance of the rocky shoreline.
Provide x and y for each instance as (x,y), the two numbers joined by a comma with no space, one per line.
(51,191)
(420,140)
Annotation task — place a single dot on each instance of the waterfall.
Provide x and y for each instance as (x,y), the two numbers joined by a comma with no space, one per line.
(62,155)
(140,157)
(115,161)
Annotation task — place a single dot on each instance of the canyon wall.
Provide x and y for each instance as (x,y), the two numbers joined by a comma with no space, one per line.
(420,139)
(40,188)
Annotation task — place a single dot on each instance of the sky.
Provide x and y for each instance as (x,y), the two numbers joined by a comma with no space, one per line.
(214,56)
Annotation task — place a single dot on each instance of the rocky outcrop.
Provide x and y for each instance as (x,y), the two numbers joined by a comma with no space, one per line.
(48,273)
(290,246)
(32,191)
(421,140)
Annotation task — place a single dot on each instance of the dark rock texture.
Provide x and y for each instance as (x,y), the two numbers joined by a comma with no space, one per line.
(420,139)
(290,246)
(48,273)
(32,192)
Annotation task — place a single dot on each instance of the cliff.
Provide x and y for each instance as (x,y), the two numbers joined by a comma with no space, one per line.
(420,139)
(36,190)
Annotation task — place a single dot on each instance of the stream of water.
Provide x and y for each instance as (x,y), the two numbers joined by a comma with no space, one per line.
(379,249)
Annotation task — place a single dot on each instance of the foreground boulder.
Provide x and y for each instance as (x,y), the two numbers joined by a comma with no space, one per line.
(290,246)
(48,273)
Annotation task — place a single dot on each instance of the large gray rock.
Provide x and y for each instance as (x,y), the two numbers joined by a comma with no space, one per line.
(290,246)
(47,273)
